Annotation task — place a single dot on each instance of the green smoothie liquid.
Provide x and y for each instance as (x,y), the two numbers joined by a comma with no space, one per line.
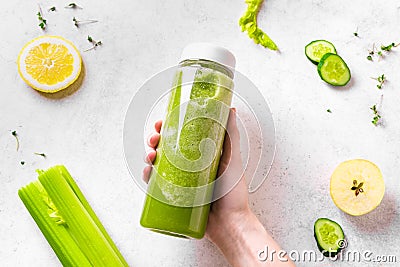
(180,187)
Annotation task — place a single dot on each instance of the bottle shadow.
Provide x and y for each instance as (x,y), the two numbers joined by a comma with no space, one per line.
(70,89)
(378,219)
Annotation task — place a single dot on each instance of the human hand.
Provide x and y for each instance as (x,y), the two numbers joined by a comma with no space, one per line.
(232,226)
(232,207)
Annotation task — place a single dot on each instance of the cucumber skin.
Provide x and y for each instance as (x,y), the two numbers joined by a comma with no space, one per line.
(313,61)
(321,249)
(321,63)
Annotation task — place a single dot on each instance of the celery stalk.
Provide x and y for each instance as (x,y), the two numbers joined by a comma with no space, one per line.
(68,222)
(34,198)
(89,209)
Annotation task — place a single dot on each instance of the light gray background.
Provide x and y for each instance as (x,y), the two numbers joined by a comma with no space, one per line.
(84,130)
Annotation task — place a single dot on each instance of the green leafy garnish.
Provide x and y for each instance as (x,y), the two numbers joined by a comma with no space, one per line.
(381,79)
(68,222)
(371,52)
(248,22)
(329,111)
(388,47)
(53,8)
(42,21)
(377,116)
(380,52)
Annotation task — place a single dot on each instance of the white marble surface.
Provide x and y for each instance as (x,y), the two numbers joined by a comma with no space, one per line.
(84,130)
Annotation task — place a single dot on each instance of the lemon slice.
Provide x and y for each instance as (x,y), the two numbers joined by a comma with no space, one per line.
(357,186)
(49,63)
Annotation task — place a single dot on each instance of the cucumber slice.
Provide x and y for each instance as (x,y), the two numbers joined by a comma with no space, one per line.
(317,49)
(333,70)
(329,236)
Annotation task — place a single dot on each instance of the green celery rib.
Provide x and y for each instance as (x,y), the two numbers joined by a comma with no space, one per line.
(76,234)
(57,235)
(89,209)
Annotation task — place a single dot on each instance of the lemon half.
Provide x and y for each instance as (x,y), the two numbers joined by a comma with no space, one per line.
(49,63)
(357,186)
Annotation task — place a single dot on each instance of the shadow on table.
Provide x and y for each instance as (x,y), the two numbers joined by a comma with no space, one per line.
(378,219)
(70,89)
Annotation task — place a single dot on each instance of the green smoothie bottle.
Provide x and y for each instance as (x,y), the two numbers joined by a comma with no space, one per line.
(181,184)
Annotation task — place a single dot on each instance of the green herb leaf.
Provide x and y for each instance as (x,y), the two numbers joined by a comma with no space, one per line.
(42,21)
(381,80)
(377,116)
(53,8)
(389,47)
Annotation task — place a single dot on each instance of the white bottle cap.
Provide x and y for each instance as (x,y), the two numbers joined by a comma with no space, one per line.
(210,52)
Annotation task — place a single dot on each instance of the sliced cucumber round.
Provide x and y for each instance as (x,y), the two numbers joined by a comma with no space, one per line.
(329,236)
(317,49)
(333,70)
